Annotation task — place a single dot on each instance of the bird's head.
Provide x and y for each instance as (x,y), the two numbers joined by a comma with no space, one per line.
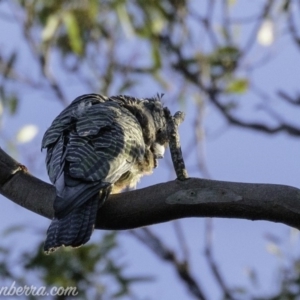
(160,135)
(151,116)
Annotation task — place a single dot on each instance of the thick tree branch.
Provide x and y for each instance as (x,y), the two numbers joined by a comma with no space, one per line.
(163,202)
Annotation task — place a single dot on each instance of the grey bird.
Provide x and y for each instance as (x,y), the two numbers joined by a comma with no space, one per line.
(96,146)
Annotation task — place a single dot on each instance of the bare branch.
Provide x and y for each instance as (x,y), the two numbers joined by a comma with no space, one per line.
(181,241)
(182,66)
(251,125)
(146,236)
(226,22)
(41,57)
(252,37)
(175,148)
(292,27)
(288,98)
(163,202)
(211,262)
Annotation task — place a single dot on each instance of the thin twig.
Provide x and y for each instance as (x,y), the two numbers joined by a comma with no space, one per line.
(288,98)
(181,240)
(292,27)
(199,133)
(252,37)
(154,243)
(174,141)
(194,76)
(41,58)
(208,21)
(292,130)
(226,22)
(212,264)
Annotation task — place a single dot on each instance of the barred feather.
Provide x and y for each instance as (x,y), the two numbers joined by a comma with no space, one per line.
(74,229)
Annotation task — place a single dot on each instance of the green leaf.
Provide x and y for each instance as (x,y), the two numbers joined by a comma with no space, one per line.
(232,2)
(10,63)
(93,8)
(50,28)
(8,100)
(73,32)
(125,19)
(156,56)
(286,5)
(124,87)
(224,60)
(13,103)
(157,25)
(238,86)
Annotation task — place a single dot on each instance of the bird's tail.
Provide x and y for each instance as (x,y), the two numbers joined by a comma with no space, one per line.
(73,229)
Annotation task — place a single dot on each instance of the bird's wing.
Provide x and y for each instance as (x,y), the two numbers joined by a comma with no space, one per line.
(69,115)
(90,147)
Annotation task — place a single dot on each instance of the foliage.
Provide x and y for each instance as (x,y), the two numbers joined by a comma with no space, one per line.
(95,270)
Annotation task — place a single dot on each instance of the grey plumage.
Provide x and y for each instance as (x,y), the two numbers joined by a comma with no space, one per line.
(98,145)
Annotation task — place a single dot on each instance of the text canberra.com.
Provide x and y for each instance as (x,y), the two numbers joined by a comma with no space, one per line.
(30,290)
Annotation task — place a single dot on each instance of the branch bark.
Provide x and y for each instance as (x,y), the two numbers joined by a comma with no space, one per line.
(163,202)
(174,141)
